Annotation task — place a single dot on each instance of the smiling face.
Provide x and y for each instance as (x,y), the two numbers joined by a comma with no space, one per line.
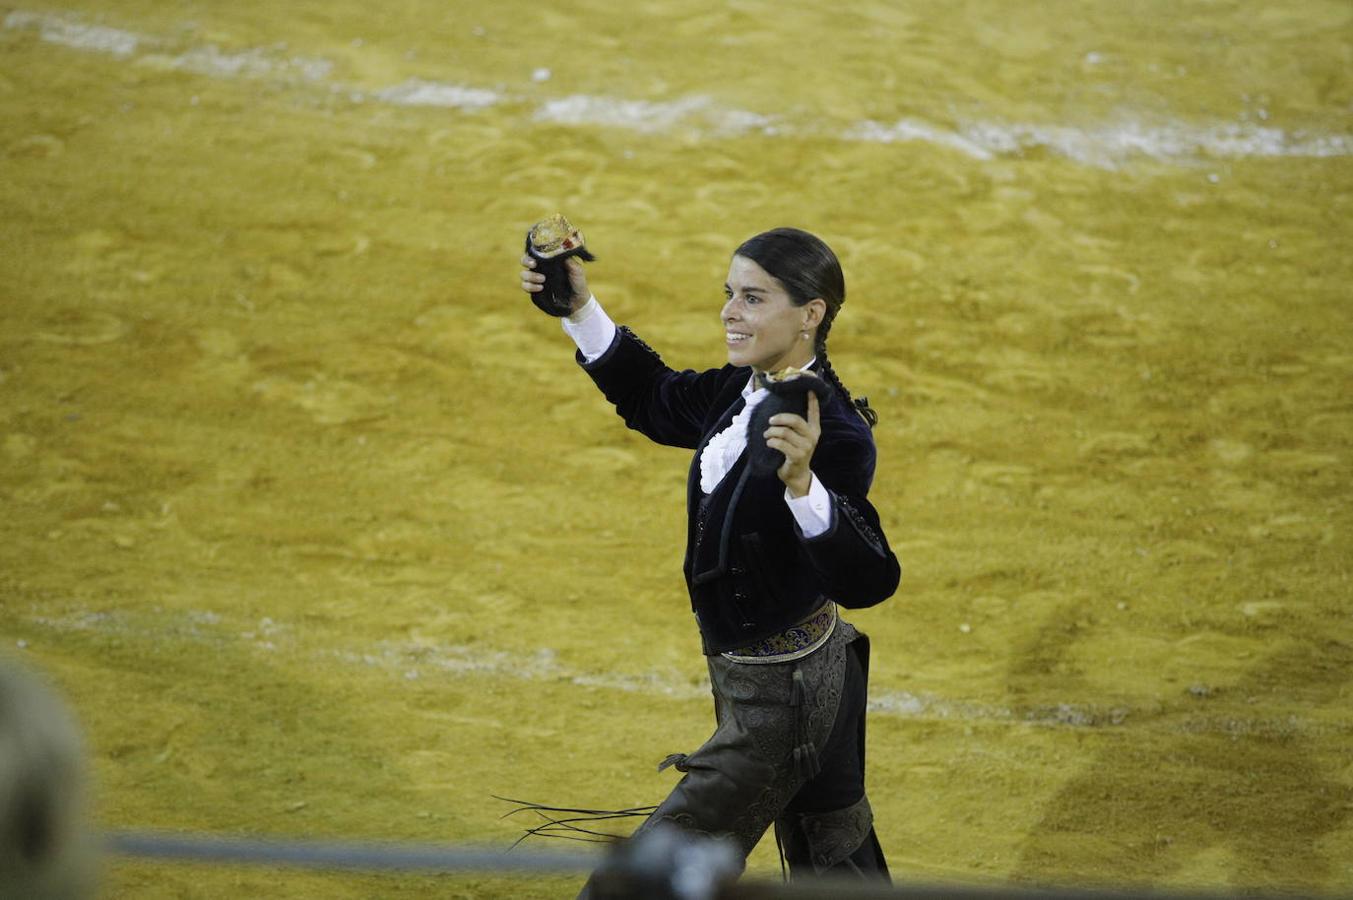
(762,326)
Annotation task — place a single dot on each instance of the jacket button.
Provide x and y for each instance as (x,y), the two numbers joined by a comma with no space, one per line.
(739,597)
(737,570)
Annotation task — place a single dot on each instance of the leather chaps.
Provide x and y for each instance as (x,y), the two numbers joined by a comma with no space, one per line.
(788,751)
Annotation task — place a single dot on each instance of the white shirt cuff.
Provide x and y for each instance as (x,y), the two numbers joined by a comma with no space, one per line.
(813,511)
(591,329)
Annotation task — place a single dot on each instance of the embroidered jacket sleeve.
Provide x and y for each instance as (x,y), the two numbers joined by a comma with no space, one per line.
(668,406)
(852,558)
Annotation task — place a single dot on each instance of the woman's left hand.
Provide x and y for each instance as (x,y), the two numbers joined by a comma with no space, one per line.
(796,437)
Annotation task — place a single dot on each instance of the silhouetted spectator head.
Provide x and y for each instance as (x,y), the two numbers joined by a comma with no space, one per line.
(46,850)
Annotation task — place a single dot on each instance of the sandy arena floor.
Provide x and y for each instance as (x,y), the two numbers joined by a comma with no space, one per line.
(314,520)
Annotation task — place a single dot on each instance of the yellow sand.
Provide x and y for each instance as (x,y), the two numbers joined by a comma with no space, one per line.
(313,518)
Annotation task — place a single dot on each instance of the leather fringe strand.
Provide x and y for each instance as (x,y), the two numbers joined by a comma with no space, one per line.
(559,824)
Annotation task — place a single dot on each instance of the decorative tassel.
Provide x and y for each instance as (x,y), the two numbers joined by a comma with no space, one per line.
(677,760)
(798,692)
(806,762)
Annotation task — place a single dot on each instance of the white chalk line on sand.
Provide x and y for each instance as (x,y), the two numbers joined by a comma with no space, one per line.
(1107,145)
(419,660)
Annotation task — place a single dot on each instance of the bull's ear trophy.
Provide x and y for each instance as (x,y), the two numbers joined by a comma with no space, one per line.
(789,391)
(550,242)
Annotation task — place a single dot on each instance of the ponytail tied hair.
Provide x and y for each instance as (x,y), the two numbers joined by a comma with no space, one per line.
(867,412)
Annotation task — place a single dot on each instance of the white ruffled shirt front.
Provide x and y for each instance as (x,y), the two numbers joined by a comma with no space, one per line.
(722,451)
(593,331)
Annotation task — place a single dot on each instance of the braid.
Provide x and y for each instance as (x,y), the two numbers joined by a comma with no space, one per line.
(861,406)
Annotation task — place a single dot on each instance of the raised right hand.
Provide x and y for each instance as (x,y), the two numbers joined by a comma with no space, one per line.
(533,282)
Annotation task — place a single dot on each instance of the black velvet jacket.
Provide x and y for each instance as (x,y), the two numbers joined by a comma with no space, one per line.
(749,570)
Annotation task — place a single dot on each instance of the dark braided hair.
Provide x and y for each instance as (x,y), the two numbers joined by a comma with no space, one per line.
(808,269)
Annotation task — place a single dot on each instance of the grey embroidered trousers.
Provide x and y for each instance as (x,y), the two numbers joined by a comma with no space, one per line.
(788,751)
